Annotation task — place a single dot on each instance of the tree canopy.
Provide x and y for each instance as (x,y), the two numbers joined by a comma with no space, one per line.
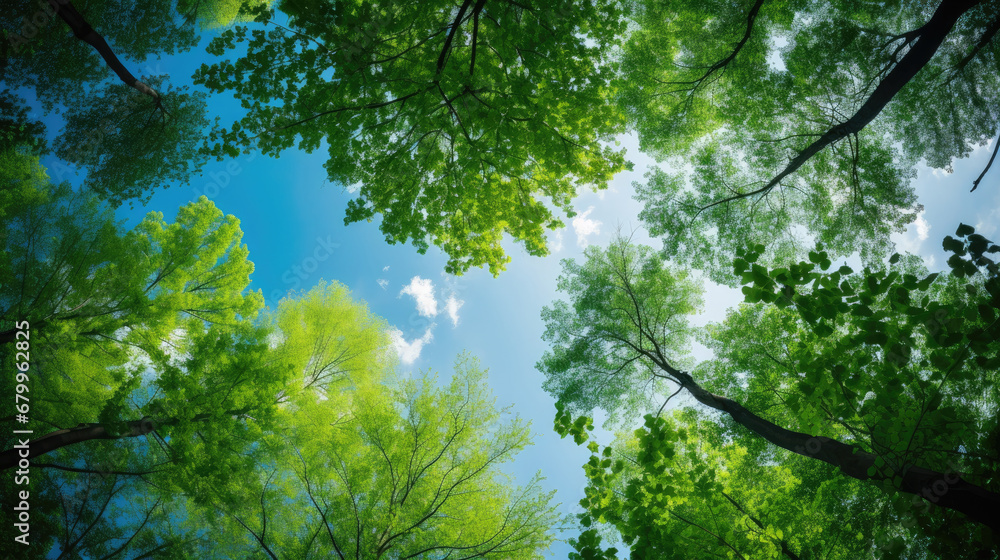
(844,412)
(457,127)
(408,470)
(679,487)
(877,373)
(173,401)
(779,116)
(130,135)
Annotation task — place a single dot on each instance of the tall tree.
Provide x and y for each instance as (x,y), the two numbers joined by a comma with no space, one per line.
(409,470)
(459,122)
(102,303)
(209,406)
(72,268)
(877,333)
(795,117)
(60,66)
(627,384)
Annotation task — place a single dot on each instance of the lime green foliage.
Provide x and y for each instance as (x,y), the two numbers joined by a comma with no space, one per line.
(98,298)
(731,94)
(298,412)
(332,339)
(153,322)
(457,127)
(621,299)
(219,13)
(409,470)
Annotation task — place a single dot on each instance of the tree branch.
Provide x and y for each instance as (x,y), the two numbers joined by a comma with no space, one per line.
(451,36)
(996,145)
(84,32)
(62,438)
(931,36)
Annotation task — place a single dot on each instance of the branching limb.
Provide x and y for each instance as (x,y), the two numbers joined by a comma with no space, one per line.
(84,32)
(932,35)
(996,145)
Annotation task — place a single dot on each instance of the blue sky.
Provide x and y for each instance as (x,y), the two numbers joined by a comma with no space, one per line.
(292,219)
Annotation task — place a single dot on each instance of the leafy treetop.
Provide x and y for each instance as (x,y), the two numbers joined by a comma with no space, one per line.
(458,124)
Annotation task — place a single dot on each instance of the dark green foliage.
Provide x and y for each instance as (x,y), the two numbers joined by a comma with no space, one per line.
(129,144)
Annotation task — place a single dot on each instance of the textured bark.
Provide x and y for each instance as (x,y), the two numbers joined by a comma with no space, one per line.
(62,438)
(947,490)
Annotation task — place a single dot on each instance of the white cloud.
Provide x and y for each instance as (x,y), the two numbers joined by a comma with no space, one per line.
(423,293)
(557,242)
(452,306)
(385,268)
(585,227)
(422,290)
(923,228)
(912,240)
(409,351)
(383,283)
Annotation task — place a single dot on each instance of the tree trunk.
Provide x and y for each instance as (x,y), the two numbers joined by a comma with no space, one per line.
(84,32)
(87,432)
(61,438)
(947,490)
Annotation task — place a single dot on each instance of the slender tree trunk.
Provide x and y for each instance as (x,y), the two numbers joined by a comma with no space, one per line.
(61,438)
(947,490)
(932,34)
(84,32)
